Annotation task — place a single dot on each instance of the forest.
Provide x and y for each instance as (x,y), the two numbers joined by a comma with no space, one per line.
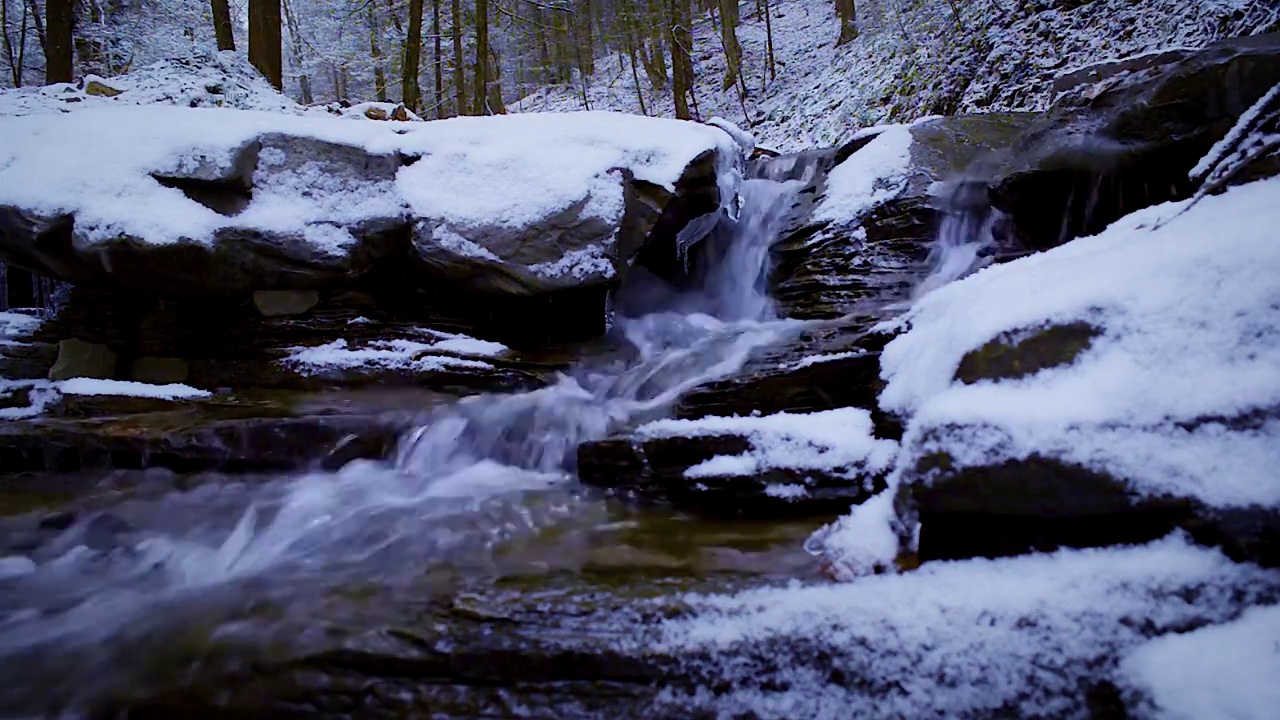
(439,57)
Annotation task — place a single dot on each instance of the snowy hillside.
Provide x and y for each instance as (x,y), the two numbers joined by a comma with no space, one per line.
(912,59)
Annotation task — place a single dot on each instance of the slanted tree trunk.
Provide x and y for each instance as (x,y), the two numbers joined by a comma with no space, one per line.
(494,97)
(264,40)
(411,91)
(14,59)
(438,63)
(375,52)
(38,24)
(771,61)
(59,63)
(459,71)
(222,24)
(848,21)
(480,92)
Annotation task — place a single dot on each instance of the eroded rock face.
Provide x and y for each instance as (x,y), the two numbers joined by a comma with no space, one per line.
(1125,135)
(876,254)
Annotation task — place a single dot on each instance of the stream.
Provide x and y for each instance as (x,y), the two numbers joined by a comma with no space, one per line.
(141,584)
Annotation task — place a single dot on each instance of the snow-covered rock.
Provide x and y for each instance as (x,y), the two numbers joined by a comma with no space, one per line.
(781,464)
(1104,391)
(216,202)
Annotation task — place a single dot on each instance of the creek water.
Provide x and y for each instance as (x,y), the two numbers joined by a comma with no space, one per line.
(84,615)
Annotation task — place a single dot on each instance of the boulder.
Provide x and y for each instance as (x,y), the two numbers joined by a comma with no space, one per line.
(277,303)
(334,206)
(77,358)
(772,466)
(160,370)
(829,262)
(1126,135)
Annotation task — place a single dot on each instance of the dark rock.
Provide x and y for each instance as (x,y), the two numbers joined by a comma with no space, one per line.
(825,270)
(160,370)
(77,358)
(652,469)
(278,303)
(1016,355)
(1036,504)
(1129,140)
(1040,503)
(27,361)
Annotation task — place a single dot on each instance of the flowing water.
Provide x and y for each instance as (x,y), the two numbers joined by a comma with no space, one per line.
(473,475)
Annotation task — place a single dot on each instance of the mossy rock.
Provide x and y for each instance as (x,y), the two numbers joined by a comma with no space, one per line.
(1020,354)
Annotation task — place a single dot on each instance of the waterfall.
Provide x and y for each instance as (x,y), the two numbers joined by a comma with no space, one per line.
(966,235)
(469,476)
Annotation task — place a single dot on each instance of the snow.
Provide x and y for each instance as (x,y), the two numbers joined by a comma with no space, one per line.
(506,172)
(911,59)
(1226,672)
(40,393)
(873,175)
(977,638)
(514,170)
(1236,134)
(129,388)
(818,359)
(582,264)
(16,325)
(862,542)
(837,441)
(398,354)
(1187,304)
(215,80)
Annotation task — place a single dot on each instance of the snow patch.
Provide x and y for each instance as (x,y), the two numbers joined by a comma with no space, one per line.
(873,175)
(399,354)
(1226,671)
(129,388)
(836,441)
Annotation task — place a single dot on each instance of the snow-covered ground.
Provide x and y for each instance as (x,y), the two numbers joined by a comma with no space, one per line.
(982,638)
(912,59)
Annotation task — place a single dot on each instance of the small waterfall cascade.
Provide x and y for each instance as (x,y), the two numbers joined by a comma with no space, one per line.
(472,473)
(967,234)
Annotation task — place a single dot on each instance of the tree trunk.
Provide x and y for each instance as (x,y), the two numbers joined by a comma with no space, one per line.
(439,59)
(585,42)
(411,91)
(264,40)
(680,38)
(496,106)
(222,24)
(15,65)
(729,41)
(60,26)
(848,21)
(480,92)
(772,64)
(629,32)
(459,71)
(375,52)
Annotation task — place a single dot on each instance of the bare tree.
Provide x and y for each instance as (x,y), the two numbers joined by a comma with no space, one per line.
(60,26)
(264,39)
(222,24)
(411,92)
(680,39)
(729,20)
(375,52)
(295,52)
(848,21)
(17,59)
(459,76)
(439,61)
